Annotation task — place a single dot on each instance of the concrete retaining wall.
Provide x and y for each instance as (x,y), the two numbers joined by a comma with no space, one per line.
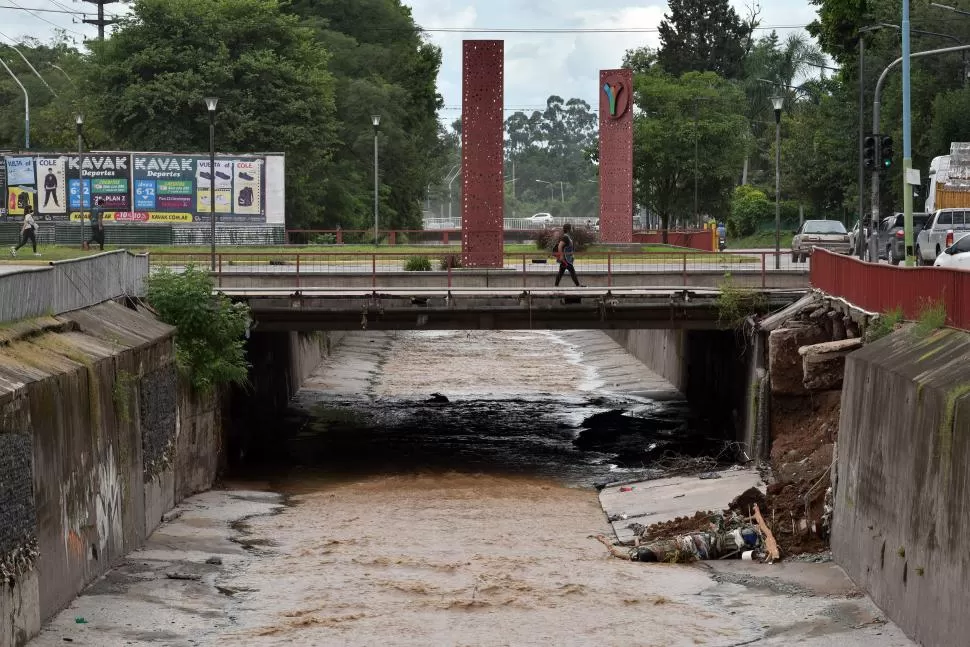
(901,528)
(710,367)
(97,441)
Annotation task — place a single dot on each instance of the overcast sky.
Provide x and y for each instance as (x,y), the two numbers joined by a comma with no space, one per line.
(536,65)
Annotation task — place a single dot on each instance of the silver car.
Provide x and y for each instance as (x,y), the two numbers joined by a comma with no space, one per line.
(827,234)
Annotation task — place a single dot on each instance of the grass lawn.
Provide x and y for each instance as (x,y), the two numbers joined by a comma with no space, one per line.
(761,240)
(665,253)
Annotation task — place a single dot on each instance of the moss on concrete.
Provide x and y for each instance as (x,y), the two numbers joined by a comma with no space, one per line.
(946,426)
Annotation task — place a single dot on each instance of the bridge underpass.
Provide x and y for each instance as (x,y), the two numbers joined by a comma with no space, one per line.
(291,309)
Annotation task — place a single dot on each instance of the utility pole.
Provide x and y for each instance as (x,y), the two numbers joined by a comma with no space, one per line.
(100,21)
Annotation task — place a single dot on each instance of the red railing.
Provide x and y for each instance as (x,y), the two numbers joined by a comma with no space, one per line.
(701,239)
(881,288)
(600,269)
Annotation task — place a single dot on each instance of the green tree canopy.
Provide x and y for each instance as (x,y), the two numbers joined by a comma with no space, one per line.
(275,93)
(673,112)
(703,35)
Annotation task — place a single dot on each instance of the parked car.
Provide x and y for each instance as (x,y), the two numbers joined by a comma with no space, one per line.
(942,229)
(827,234)
(854,234)
(544,218)
(890,236)
(956,255)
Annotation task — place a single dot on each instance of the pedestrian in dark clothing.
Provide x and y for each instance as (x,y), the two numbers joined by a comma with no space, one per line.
(97,225)
(27,232)
(564,253)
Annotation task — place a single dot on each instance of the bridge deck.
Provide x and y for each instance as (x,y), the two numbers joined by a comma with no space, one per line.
(491,308)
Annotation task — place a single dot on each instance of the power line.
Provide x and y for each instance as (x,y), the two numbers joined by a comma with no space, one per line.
(31,12)
(5,6)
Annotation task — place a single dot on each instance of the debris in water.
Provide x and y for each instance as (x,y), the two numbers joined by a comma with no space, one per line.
(172,575)
(709,475)
(80,620)
(437,398)
(214,560)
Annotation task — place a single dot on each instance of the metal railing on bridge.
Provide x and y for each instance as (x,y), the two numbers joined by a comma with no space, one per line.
(610,268)
(882,288)
(63,286)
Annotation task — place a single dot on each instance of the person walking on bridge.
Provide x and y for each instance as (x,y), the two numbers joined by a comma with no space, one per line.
(564,254)
(27,232)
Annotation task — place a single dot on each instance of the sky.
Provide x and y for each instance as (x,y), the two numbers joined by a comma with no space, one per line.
(537,65)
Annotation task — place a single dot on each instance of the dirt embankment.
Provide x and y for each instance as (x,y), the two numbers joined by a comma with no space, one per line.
(803,433)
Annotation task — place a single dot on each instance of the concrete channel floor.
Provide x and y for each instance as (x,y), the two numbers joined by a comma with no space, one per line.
(718,604)
(650,502)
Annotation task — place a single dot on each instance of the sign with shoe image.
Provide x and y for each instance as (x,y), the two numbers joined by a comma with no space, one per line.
(136,187)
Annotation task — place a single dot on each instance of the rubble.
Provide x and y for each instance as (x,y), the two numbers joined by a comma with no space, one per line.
(823,365)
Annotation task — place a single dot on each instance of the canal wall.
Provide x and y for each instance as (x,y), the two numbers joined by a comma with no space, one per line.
(280,362)
(98,439)
(711,368)
(901,529)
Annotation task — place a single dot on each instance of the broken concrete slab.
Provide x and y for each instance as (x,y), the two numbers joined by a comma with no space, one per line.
(650,502)
(823,365)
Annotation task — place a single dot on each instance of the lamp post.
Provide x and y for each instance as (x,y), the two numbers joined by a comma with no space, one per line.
(450,178)
(376,120)
(210,104)
(79,122)
(552,189)
(777,103)
(26,105)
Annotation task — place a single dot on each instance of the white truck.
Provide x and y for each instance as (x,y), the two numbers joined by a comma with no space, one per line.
(942,229)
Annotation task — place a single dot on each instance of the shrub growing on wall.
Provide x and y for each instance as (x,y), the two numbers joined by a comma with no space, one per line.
(209,344)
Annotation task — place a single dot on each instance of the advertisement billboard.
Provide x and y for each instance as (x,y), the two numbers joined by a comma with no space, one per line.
(140,187)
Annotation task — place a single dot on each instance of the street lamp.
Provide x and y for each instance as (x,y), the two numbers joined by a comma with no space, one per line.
(552,189)
(777,103)
(210,104)
(376,120)
(79,122)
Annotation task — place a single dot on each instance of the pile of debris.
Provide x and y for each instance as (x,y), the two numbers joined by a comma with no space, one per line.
(739,532)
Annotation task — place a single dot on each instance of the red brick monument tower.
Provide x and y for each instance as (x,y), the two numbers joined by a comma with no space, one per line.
(616,156)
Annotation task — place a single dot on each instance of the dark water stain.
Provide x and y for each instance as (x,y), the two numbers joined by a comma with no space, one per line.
(577,441)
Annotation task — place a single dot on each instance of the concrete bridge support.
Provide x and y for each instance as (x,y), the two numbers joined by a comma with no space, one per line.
(712,368)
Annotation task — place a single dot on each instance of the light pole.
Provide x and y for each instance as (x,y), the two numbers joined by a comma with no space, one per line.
(26,105)
(376,120)
(79,122)
(777,103)
(450,178)
(552,189)
(210,104)
(907,143)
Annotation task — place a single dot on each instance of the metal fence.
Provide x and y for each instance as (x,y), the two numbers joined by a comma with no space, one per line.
(63,286)
(881,288)
(611,268)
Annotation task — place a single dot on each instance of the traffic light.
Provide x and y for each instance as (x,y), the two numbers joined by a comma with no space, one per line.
(869,152)
(886,153)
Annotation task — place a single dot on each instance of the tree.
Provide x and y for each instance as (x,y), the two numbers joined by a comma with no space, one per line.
(749,208)
(704,35)
(209,346)
(950,123)
(665,129)
(382,66)
(150,77)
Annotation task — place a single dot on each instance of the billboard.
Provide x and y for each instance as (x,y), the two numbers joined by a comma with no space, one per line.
(141,187)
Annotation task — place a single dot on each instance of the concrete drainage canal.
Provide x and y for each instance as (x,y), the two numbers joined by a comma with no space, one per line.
(448,488)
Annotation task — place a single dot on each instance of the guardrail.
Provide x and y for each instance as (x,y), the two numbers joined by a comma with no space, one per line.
(388,269)
(881,288)
(63,286)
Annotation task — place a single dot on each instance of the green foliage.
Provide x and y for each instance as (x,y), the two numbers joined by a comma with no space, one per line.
(735,304)
(701,36)
(950,124)
(884,324)
(548,239)
(665,130)
(450,261)
(749,208)
(417,264)
(932,317)
(209,345)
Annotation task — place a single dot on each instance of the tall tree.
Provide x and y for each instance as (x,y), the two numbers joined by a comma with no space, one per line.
(150,77)
(382,65)
(673,114)
(704,35)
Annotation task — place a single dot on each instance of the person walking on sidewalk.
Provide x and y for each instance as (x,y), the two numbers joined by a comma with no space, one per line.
(564,253)
(97,225)
(27,232)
